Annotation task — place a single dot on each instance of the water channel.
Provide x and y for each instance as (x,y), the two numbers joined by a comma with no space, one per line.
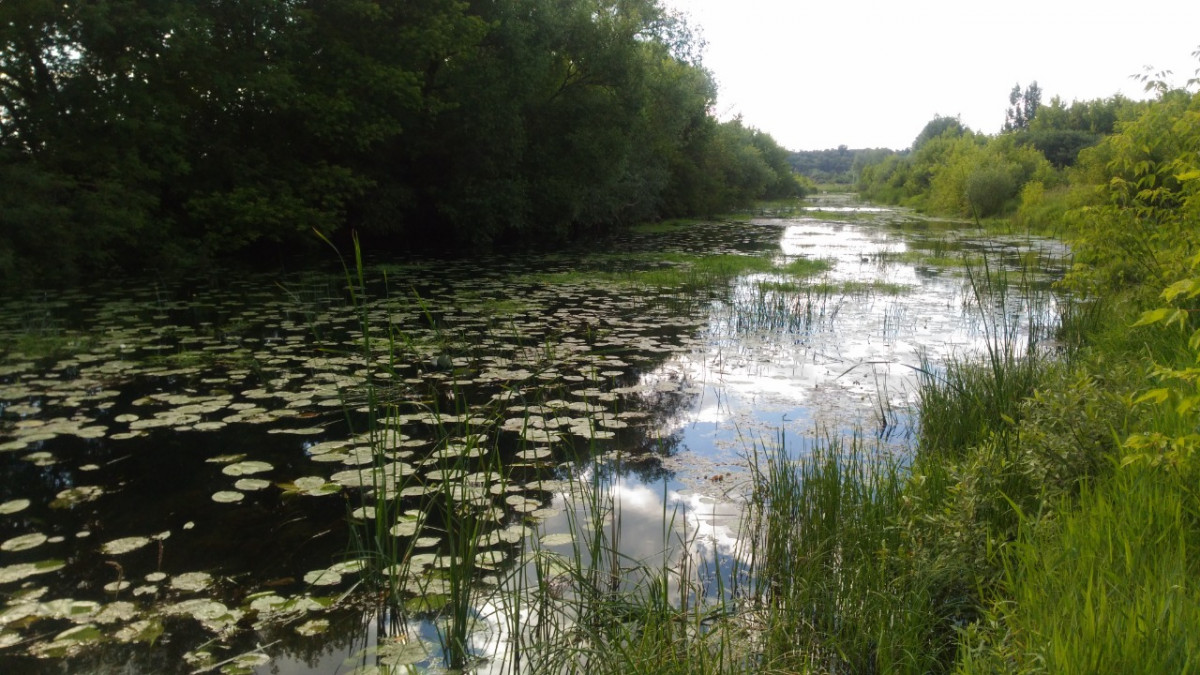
(179,465)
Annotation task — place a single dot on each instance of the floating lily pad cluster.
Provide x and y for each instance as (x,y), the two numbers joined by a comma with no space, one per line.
(471,382)
(470,363)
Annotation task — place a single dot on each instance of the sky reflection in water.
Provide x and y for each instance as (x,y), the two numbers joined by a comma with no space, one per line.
(772,360)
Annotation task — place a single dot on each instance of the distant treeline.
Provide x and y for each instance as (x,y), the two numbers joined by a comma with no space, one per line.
(836,165)
(952,170)
(140,135)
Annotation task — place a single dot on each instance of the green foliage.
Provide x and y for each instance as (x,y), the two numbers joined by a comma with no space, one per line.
(1098,117)
(1058,497)
(956,173)
(1060,146)
(939,127)
(1103,577)
(953,171)
(1176,437)
(179,133)
(839,165)
(1143,228)
(1025,105)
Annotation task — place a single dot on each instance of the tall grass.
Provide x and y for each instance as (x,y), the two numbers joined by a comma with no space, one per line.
(972,397)
(1010,540)
(836,589)
(1111,585)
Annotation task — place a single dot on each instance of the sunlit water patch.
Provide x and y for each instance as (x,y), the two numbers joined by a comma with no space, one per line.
(182,467)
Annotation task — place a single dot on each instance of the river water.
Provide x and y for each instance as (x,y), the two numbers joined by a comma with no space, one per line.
(178,466)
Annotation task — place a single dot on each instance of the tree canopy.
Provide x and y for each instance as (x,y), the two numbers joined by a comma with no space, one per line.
(140,134)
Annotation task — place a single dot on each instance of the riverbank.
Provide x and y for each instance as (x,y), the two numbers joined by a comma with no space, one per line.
(807,443)
(1031,532)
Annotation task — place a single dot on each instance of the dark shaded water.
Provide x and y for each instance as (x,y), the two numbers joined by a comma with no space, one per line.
(177,465)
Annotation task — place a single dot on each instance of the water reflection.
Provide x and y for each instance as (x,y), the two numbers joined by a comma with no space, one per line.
(649,400)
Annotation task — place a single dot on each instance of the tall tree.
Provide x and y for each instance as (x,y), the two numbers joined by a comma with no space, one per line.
(1024,107)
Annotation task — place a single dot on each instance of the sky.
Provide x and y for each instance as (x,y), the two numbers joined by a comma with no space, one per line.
(817,74)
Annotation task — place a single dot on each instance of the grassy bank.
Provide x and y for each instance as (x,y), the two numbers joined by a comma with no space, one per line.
(1026,534)
(1046,521)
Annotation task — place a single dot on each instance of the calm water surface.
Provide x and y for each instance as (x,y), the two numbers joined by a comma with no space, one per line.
(178,466)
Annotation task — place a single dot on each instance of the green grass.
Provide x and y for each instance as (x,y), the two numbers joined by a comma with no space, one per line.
(831,288)
(845,216)
(806,267)
(1014,539)
(45,344)
(1111,585)
(945,259)
(657,270)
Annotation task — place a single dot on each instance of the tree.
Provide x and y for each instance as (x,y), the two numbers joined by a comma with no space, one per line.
(1024,107)
(939,126)
(135,131)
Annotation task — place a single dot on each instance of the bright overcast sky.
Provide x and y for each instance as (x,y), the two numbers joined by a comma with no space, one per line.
(816,74)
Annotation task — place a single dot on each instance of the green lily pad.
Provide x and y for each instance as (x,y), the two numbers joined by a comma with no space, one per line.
(313,627)
(246,468)
(83,634)
(252,484)
(557,539)
(20,571)
(323,578)
(124,545)
(14,506)
(403,653)
(146,631)
(80,494)
(24,542)
(192,581)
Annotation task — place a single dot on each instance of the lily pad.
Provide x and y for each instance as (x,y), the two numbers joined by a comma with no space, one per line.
(124,545)
(313,627)
(146,631)
(192,582)
(228,497)
(23,542)
(83,634)
(116,611)
(405,527)
(14,506)
(80,494)
(40,458)
(403,653)
(557,539)
(246,468)
(252,484)
(324,577)
(315,486)
(349,566)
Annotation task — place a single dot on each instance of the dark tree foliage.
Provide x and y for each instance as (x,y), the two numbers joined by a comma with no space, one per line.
(835,165)
(141,134)
(824,166)
(1060,146)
